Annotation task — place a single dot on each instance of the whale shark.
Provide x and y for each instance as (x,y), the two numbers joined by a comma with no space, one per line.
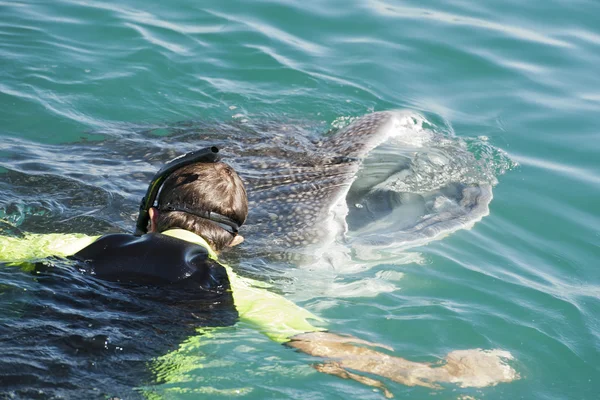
(385,180)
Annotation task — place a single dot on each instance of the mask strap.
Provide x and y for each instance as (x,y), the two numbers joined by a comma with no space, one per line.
(224,222)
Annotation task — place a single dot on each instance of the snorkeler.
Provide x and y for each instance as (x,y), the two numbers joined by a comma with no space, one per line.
(193,210)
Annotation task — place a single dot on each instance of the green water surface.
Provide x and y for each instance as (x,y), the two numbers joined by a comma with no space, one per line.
(526,279)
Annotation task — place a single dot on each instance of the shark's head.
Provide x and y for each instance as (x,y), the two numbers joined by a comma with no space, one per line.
(387,179)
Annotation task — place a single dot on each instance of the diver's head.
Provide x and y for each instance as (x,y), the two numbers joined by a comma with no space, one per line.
(190,193)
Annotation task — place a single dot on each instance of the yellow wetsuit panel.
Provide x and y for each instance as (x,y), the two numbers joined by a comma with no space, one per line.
(34,246)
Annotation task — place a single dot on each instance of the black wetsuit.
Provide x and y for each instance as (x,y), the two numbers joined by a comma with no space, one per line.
(175,266)
(153,258)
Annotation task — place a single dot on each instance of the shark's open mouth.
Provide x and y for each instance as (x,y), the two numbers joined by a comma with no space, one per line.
(416,186)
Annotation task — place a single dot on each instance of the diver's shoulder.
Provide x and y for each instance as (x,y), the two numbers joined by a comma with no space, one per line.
(153,241)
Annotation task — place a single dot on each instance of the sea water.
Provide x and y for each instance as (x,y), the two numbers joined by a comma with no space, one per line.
(95,96)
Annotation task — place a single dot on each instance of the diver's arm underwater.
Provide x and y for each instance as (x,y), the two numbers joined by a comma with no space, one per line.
(467,368)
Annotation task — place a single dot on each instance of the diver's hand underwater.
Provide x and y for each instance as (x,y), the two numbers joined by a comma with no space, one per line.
(466,368)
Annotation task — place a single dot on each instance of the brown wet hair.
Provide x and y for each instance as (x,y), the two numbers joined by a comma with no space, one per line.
(205,187)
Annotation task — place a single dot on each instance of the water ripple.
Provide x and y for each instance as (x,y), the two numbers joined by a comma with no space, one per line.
(152,38)
(471,22)
(92,93)
(275,34)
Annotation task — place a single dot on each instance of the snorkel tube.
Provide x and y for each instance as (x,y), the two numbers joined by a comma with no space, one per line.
(207,155)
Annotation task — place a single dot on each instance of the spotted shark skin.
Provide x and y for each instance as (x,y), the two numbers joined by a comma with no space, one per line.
(298,201)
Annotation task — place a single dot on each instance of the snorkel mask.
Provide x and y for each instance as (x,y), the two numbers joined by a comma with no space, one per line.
(207,155)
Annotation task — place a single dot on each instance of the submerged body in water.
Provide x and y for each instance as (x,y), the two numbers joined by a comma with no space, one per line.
(70,335)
